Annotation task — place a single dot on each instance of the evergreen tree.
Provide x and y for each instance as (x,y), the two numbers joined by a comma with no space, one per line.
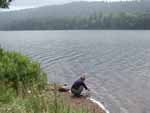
(4,3)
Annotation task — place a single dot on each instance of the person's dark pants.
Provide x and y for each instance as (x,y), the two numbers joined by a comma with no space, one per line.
(77,92)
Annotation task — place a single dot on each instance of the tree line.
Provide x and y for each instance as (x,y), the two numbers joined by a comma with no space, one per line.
(122,20)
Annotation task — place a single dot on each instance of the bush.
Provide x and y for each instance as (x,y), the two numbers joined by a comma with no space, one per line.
(6,94)
(19,72)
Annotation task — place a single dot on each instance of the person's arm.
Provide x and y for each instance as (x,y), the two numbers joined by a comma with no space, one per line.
(84,85)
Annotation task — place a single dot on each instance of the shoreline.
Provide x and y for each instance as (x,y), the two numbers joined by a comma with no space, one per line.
(99,104)
(77,102)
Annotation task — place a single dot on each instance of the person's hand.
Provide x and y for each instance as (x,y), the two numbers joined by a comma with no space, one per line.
(88,89)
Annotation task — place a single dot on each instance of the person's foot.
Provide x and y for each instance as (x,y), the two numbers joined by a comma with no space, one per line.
(77,96)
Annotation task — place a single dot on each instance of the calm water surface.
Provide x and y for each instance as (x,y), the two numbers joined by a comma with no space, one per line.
(117,62)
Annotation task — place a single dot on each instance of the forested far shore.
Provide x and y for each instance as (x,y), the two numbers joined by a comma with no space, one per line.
(80,15)
(122,20)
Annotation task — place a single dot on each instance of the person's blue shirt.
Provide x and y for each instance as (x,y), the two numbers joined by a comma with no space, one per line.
(79,83)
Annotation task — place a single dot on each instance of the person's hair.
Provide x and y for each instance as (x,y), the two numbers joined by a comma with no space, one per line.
(82,77)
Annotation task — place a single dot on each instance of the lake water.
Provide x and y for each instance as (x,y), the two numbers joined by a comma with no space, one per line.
(117,63)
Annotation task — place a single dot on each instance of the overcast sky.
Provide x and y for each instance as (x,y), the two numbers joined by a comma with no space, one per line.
(29,3)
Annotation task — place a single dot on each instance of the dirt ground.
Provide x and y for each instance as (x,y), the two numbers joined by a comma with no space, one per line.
(77,102)
(83,102)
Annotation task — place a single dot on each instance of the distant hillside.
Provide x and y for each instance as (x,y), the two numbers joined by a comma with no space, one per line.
(60,16)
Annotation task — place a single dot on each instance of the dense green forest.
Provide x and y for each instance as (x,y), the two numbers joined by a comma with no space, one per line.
(121,20)
(80,15)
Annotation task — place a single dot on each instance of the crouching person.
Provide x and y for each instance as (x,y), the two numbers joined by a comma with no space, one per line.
(78,86)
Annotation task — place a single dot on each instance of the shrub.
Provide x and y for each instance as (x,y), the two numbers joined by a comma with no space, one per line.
(20,72)
(6,94)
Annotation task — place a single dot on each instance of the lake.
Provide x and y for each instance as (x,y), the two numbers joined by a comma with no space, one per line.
(117,62)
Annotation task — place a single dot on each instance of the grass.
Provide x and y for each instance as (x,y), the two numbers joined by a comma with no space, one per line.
(36,101)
